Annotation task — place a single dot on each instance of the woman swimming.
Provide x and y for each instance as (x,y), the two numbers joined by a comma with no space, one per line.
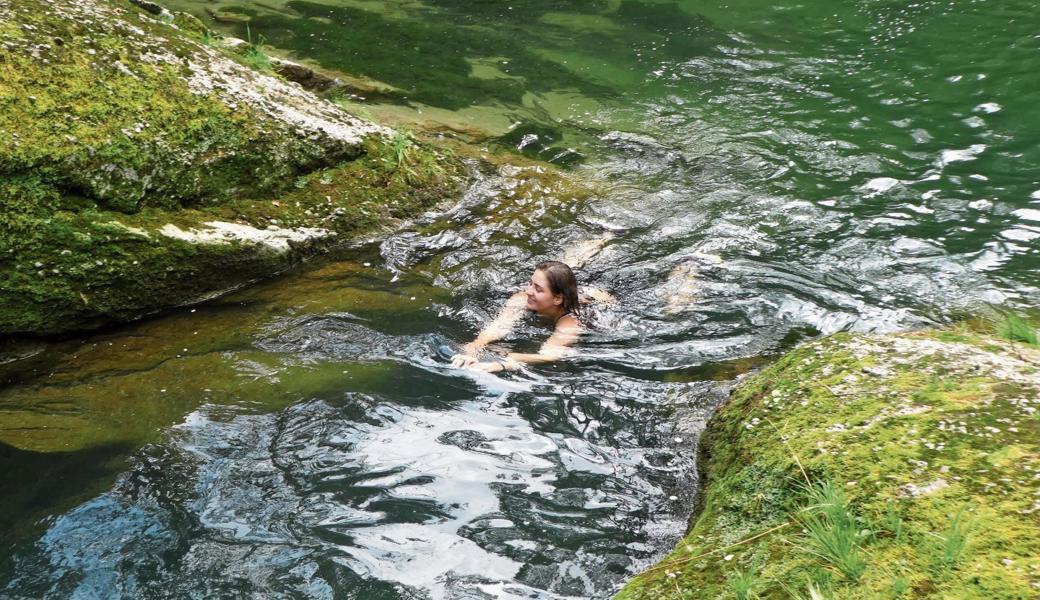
(552,294)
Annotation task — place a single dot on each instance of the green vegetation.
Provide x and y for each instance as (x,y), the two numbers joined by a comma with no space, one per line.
(1016,329)
(744,583)
(254,53)
(833,532)
(954,542)
(102,146)
(869,467)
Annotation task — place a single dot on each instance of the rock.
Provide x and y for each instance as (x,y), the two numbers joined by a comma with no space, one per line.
(151,7)
(303,75)
(103,190)
(913,490)
(189,23)
(222,16)
(915,464)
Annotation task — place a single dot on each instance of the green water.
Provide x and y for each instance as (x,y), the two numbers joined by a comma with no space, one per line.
(880,113)
(768,173)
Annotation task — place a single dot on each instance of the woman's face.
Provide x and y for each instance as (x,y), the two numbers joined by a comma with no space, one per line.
(539,298)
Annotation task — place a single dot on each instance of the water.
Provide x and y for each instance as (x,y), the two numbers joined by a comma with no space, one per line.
(765,174)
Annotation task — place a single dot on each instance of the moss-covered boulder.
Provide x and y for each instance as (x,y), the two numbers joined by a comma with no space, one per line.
(122,132)
(898,466)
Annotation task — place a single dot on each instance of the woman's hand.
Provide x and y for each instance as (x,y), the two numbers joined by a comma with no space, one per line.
(463,360)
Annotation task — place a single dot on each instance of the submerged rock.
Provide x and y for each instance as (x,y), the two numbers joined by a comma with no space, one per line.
(870,467)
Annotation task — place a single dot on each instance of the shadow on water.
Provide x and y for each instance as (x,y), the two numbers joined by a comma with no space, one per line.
(38,485)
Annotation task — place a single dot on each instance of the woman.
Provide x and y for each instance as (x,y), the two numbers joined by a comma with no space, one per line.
(552,294)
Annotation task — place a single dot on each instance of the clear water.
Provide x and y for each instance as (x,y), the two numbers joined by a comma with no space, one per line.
(767,173)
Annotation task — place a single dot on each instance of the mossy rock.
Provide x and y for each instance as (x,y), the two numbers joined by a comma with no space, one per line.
(116,125)
(929,439)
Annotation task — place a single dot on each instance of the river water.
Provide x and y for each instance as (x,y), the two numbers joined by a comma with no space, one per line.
(765,173)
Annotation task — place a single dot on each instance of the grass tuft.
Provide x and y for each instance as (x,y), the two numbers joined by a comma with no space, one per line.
(813,591)
(254,53)
(900,586)
(834,532)
(954,542)
(745,583)
(892,521)
(412,161)
(1016,329)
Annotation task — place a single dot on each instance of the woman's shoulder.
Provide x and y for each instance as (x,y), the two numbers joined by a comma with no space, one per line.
(568,321)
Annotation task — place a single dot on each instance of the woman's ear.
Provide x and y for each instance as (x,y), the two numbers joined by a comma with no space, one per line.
(558,299)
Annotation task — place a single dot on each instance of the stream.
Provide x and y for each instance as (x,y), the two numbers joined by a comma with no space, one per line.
(765,174)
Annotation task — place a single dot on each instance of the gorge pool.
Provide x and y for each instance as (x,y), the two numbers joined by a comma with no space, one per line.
(764,174)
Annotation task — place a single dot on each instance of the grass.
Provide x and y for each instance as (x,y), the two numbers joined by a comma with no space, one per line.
(413,161)
(254,53)
(833,531)
(210,38)
(954,542)
(892,521)
(745,583)
(813,591)
(1016,329)
(900,586)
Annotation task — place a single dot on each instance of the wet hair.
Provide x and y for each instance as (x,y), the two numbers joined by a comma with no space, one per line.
(561,283)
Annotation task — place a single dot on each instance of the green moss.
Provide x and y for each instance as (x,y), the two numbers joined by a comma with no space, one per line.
(100,149)
(934,460)
(79,270)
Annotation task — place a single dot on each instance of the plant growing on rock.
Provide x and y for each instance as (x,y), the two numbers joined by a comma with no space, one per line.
(1016,329)
(834,532)
(744,583)
(953,544)
(254,54)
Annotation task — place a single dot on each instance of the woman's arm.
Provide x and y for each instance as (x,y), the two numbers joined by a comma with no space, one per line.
(495,330)
(556,347)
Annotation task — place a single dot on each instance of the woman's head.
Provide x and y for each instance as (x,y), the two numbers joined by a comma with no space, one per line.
(552,287)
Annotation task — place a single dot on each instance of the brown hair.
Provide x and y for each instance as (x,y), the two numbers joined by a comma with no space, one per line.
(562,283)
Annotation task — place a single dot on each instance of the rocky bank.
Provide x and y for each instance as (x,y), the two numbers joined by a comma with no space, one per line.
(143,166)
(869,466)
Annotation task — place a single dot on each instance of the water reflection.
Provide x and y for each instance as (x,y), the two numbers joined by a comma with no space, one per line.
(535,495)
